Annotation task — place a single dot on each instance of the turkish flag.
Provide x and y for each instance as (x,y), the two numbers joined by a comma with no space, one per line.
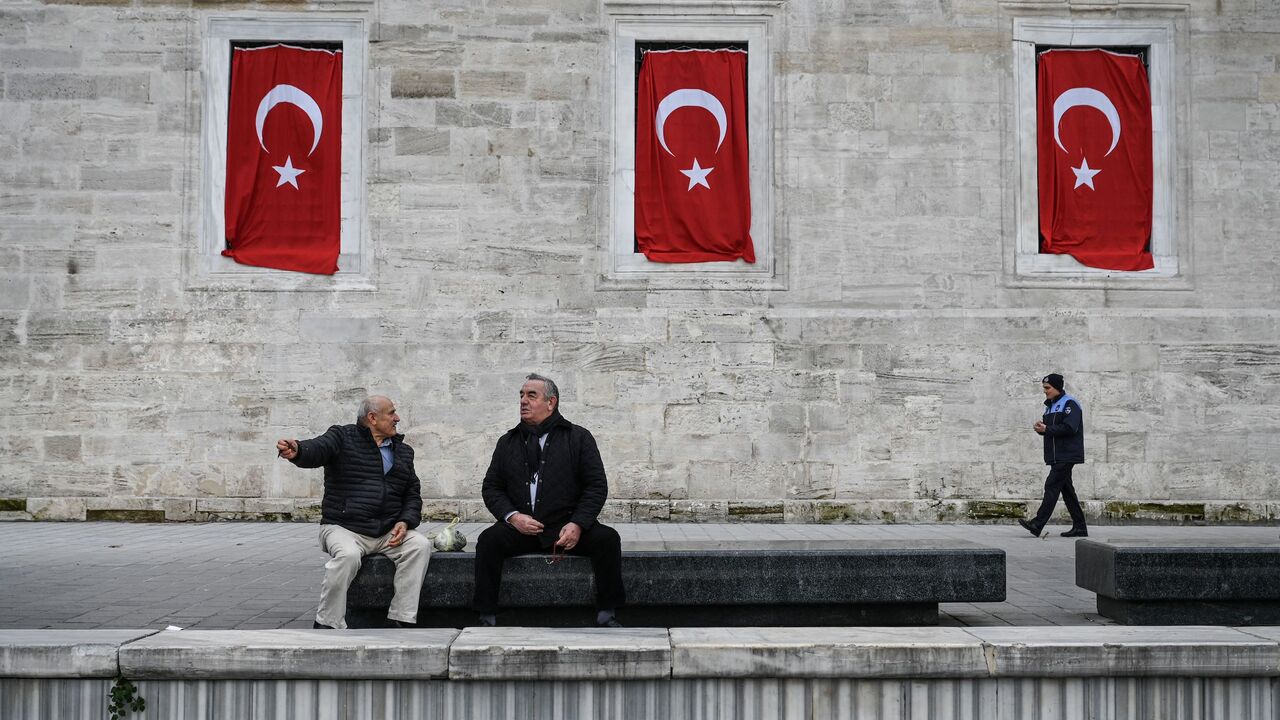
(284,159)
(1094,144)
(693,191)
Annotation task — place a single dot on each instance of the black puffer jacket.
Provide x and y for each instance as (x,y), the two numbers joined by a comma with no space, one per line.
(572,486)
(357,495)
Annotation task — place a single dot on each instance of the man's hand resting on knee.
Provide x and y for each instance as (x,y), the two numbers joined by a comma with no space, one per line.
(397,534)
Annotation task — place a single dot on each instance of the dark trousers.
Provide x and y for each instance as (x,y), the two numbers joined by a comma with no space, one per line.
(1059,483)
(501,541)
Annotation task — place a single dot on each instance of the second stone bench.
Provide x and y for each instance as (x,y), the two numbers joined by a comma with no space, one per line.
(1142,582)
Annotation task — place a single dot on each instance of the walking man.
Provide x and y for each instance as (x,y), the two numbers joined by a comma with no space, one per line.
(1063,429)
(372,503)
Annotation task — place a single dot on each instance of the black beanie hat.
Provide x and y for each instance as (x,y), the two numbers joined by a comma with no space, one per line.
(1055,380)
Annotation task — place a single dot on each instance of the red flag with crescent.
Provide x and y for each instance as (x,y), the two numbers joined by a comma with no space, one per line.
(693,191)
(284,158)
(1094,145)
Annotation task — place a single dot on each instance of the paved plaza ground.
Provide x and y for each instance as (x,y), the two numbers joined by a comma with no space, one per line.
(267,575)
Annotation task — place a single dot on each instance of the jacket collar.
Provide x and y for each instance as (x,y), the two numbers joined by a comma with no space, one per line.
(561,423)
(1058,403)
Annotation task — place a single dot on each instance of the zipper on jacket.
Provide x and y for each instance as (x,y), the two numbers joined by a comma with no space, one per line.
(382,501)
(1053,440)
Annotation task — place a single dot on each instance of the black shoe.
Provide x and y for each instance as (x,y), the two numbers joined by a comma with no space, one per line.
(399,623)
(488,621)
(318,626)
(1026,525)
(610,623)
(1076,532)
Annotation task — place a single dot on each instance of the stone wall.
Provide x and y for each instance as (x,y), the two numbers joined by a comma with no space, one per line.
(891,375)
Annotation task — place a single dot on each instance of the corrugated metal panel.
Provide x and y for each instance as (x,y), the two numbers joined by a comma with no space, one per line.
(703,699)
(40,699)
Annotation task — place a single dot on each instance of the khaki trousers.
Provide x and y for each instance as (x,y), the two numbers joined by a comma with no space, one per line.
(347,549)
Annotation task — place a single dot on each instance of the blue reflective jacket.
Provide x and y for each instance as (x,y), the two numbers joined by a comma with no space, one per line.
(1064,431)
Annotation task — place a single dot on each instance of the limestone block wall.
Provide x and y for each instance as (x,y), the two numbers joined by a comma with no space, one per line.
(889,374)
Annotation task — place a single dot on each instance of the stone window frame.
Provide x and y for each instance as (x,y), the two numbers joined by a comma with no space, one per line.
(754,22)
(209,269)
(1030,267)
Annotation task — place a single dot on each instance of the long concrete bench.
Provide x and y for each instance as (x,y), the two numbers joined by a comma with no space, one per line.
(1182,583)
(792,583)
(1043,673)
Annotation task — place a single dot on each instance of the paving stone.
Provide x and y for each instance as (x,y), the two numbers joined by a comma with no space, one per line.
(289,654)
(1128,651)
(522,653)
(826,652)
(62,653)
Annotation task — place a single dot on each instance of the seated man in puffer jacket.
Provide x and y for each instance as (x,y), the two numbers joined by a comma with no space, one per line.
(372,503)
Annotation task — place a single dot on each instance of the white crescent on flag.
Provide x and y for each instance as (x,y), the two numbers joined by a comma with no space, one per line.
(689,97)
(1086,97)
(293,96)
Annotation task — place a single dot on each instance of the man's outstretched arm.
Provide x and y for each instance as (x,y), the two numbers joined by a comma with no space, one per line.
(312,453)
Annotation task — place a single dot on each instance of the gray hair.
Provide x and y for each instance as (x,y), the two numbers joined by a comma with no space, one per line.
(368,405)
(548,385)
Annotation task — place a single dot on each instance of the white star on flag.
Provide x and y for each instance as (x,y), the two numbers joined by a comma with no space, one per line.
(697,175)
(1084,175)
(289,174)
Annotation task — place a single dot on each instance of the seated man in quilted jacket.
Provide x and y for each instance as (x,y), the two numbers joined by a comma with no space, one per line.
(372,503)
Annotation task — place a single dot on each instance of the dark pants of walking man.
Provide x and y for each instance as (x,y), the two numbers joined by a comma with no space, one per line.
(1059,483)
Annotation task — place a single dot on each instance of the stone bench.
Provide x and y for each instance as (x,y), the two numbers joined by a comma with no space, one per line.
(1182,583)
(794,583)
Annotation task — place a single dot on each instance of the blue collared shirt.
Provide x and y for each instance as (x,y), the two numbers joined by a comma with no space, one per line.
(385,448)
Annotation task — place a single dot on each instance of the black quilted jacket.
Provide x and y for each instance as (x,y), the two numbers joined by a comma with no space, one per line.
(357,495)
(572,486)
